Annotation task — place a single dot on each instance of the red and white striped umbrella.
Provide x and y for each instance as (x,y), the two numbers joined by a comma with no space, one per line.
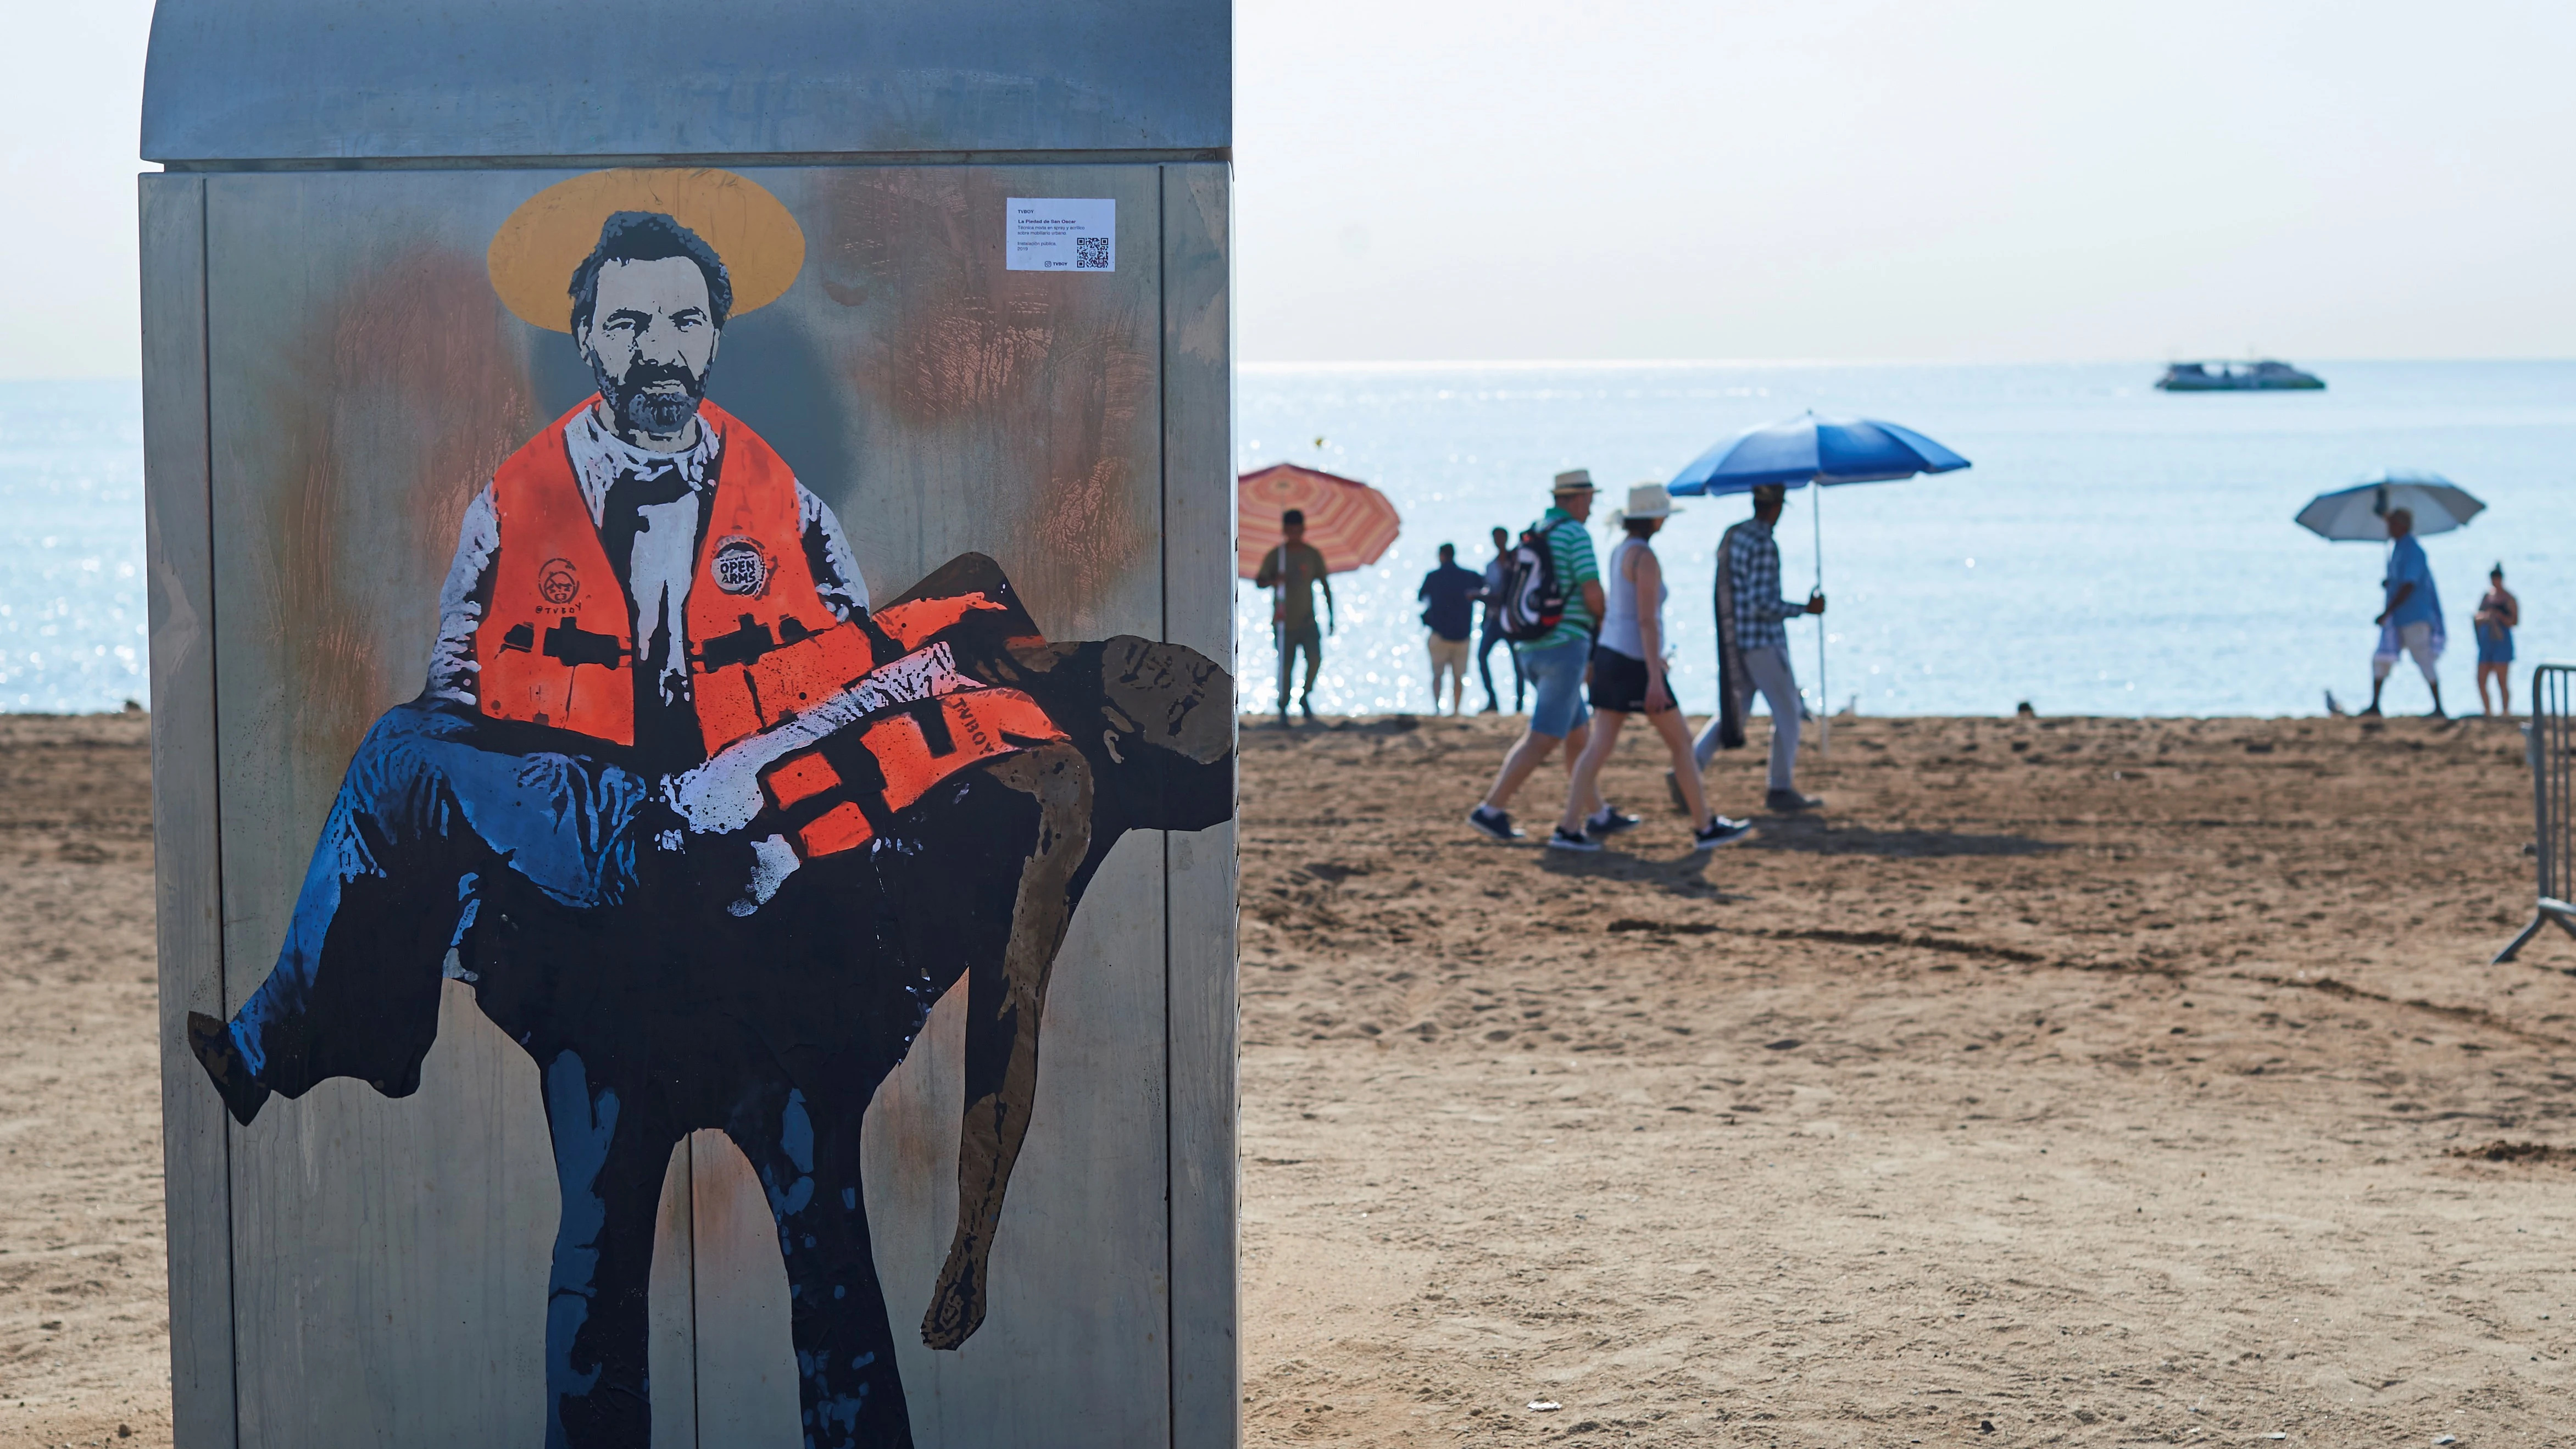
(1350,522)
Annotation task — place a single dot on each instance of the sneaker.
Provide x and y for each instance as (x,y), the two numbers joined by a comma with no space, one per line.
(1496,823)
(1609,822)
(1790,802)
(1720,831)
(1564,839)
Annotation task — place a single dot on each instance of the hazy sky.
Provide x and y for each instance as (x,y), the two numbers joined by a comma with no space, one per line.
(2021,179)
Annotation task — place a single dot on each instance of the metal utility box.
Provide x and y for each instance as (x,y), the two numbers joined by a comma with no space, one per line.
(992,237)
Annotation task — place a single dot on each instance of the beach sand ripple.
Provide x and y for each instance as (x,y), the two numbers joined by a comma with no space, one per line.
(2104,1081)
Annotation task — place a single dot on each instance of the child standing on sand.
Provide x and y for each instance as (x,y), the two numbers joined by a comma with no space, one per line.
(2499,614)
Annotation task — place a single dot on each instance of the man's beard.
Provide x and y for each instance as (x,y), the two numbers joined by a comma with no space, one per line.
(659,413)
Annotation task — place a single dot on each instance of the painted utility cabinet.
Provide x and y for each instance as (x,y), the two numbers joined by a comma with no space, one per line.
(518,846)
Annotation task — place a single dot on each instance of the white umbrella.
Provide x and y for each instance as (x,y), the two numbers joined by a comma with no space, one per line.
(2361,513)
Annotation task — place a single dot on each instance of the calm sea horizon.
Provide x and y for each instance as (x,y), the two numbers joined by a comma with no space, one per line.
(2113,550)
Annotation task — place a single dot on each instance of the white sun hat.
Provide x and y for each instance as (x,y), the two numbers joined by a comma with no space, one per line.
(1646,500)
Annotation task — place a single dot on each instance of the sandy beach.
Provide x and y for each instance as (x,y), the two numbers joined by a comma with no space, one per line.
(2069,1081)
(84,1317)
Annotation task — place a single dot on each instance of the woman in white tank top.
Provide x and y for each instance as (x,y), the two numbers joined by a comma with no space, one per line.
(1627,677)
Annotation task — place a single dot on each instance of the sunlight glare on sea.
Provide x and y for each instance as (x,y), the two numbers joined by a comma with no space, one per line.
(72,634)
(2113,550)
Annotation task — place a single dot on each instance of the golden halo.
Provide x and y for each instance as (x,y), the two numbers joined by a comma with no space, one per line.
(534,253)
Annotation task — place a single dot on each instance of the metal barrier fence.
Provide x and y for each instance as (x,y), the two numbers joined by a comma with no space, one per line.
(2551,737)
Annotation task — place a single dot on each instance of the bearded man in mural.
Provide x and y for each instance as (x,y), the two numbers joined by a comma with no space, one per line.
(709,835)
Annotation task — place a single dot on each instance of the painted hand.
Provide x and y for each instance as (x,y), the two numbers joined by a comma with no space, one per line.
(957,1299)
(724,795)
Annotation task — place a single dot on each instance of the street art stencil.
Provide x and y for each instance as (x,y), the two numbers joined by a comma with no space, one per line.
(708,829)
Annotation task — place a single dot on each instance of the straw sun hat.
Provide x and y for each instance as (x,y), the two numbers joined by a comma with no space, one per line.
(1646,500)
(533,255)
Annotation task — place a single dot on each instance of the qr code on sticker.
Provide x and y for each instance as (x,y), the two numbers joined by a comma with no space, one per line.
(1091,253)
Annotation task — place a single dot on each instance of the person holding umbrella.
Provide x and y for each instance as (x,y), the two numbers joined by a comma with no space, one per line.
(2412,620)
(1753,651)
(1293,526)
(1293,569)
(1809,451)
(2396,508)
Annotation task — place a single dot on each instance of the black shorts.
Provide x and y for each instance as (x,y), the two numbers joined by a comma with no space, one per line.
(1618,682)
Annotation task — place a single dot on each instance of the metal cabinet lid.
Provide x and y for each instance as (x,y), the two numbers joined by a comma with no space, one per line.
(359,82)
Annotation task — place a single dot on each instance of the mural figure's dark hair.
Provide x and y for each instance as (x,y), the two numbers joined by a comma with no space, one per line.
(648,236)
(1293,515)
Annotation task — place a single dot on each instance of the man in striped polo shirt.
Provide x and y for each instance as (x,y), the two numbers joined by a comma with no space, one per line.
(1554,665)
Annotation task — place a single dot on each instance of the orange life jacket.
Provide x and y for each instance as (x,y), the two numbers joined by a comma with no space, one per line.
(902,756)
(557,645)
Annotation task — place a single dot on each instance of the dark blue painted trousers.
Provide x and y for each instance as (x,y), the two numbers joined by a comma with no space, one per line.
(649,1011)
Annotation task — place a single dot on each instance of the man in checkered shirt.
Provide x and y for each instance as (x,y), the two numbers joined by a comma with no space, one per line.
(1753,650)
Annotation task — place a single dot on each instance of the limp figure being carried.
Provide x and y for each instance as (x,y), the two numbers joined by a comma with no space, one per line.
(709,836)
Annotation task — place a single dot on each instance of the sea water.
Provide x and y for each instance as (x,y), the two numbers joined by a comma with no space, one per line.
(2113,550)
(72,633)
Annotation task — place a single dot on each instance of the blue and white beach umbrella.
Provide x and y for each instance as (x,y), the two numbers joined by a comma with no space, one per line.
(1820,450)
(2360,513)
(1812,449)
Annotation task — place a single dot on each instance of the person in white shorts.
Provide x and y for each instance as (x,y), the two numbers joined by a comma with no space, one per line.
(2412,620)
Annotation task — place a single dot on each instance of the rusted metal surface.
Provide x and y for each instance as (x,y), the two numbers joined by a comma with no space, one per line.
(365,380)
(1027,397)
(353,81)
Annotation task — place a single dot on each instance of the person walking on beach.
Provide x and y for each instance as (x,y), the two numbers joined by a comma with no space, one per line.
(1753,652)
(1493,633)
(1448,595)
(1293,569)
(1554,664)
(2412,620)
(2499,614)
(1628,676)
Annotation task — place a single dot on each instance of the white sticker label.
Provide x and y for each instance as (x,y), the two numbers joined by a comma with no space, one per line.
(1063,234)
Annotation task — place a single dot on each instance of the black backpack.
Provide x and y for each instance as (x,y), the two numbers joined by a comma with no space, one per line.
(1533,603)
